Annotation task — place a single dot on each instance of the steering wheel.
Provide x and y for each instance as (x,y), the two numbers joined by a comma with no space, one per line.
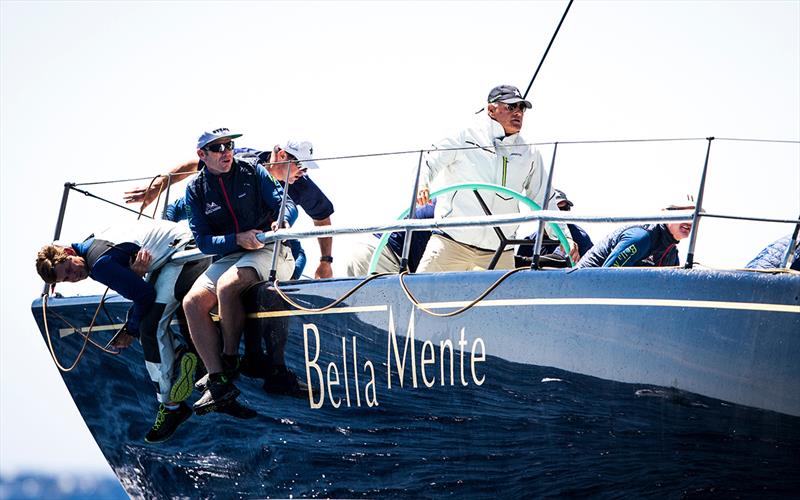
(475,187)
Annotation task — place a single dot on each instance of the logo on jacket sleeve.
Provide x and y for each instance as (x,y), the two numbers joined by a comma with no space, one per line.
(212,207)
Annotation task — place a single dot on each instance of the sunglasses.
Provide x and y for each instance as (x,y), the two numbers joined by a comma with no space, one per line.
(219,148)
(517,106)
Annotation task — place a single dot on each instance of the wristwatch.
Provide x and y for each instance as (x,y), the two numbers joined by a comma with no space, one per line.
(326,258)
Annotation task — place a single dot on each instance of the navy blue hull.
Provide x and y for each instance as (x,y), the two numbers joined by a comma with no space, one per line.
(633,383)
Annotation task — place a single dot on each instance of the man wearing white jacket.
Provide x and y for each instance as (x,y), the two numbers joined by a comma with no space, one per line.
(490,151)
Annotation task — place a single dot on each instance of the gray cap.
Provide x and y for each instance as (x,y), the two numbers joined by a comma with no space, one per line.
(216,134)
(508,94)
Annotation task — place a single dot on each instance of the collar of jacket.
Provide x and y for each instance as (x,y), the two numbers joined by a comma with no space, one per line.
(497,132)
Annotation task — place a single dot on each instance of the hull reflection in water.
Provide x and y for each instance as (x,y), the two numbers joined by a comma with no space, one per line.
(562,397)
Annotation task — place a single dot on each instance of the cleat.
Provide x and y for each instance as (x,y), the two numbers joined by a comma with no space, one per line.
(167,422)
(182,387)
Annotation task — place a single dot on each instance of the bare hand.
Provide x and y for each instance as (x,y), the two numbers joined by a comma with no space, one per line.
(141,263)
(275,225)
(248,240)
(574,253)
(423,197)
(324,270)
(142,194)
(123,340)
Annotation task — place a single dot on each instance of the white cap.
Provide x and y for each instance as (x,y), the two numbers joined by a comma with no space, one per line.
(302,150)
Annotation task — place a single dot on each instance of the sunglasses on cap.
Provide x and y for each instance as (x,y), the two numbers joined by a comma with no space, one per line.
(517,106)
(219,148)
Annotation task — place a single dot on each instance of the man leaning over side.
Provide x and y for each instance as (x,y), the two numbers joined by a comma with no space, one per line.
(490,151)
(119,258)
(229,203)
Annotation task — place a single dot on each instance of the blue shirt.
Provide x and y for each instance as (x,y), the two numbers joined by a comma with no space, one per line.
(113,269)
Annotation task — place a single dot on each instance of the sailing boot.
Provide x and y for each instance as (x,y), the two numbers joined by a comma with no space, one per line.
(219,390)
(183,385)
(167,421)
(283,381)
(231,365)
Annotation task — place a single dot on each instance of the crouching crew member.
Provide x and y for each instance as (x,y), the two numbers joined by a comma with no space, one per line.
(120,258)
(640,245)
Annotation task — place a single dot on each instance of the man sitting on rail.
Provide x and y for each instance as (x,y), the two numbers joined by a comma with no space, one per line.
(119,258)
(653,245)
(489,151)
(230,202)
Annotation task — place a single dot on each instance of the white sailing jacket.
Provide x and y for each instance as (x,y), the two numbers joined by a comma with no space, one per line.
(491,158)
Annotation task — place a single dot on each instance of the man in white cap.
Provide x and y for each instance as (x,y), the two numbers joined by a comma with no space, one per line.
(490,151)
(229,203)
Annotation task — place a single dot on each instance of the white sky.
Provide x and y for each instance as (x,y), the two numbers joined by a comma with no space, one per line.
(97,91)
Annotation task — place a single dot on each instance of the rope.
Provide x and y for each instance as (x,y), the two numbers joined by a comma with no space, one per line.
(450,314)
(87,193)
(158,198)
(86,339)
(332,304)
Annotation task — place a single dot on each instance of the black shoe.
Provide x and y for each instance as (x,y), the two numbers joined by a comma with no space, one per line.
(237,410)
(230,367)
(282,380)
(182,387)
(167,421)
(218,392)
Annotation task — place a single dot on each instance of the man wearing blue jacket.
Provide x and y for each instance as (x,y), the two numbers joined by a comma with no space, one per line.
(229,203)
(653,245)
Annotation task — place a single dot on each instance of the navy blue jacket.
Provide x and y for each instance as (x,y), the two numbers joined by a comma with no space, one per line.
(113,269)
(220,206)
(579,236)
(643,245)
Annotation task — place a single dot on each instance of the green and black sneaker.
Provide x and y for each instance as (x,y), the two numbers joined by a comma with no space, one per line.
(184,382)
(167,421)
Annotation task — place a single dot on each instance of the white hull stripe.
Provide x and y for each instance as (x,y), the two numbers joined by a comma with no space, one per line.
(692,304)
(689,304)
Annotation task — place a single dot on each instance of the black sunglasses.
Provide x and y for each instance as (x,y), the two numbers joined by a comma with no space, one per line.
(516,106)
(219,148)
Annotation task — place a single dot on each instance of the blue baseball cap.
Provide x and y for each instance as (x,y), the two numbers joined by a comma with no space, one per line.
(220,133)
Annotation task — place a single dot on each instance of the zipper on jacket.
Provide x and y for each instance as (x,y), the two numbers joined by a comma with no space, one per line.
(505,170)
(228,202)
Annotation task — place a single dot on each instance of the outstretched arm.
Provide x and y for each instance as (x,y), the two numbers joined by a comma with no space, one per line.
(146,195)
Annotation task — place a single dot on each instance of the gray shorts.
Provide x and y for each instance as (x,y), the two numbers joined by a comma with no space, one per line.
(260,260)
